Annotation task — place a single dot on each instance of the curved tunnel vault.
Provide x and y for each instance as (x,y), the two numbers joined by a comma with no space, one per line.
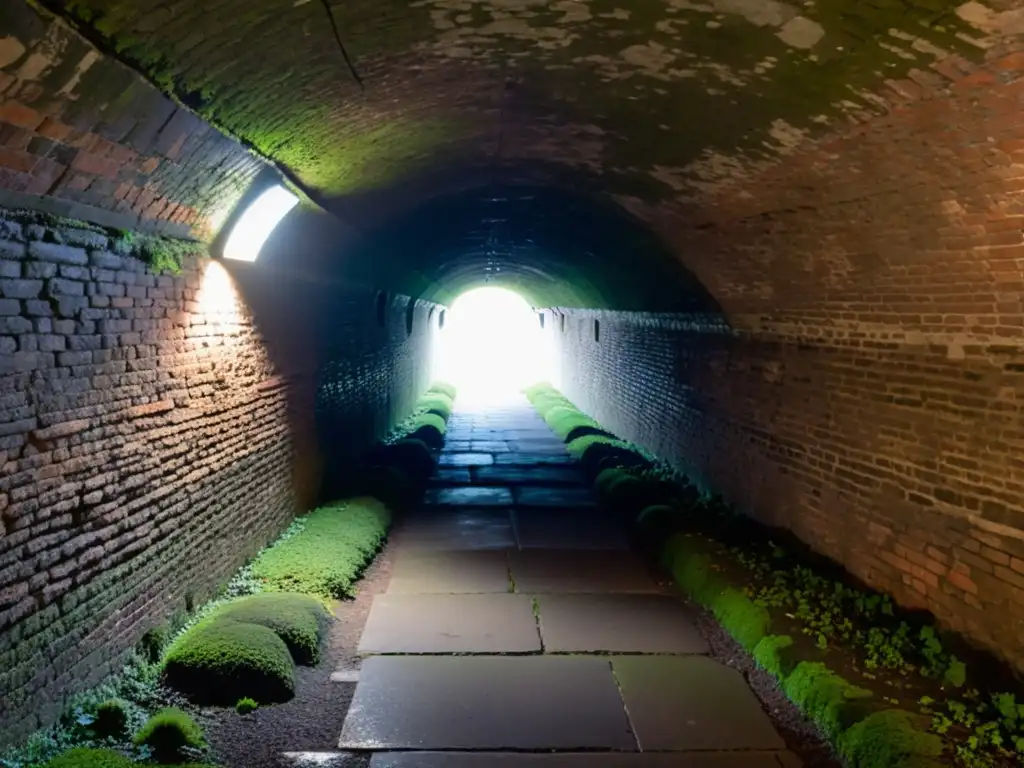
(556,247)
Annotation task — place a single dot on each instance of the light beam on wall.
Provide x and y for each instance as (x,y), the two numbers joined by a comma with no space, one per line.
(255,225)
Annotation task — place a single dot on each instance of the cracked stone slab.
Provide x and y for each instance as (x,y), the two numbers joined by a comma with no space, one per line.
(564,498)
(450,624)
(475,496)
(540,571)
(456,528)
(489,446)
(486,702)
(681,703)
(450,572)
(544,529)
(618,624)
(465,459)
(578,760)
(539,475)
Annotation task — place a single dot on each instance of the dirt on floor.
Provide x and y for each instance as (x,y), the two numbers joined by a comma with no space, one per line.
(312,721)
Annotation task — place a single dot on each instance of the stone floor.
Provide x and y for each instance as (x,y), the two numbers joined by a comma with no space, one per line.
(519,630)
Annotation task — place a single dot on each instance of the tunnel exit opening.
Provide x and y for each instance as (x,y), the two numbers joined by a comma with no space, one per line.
(492,346)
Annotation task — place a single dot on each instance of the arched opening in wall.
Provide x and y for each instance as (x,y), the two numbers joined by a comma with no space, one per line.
(493,347)
(381,308)
(597,330)
(410,316)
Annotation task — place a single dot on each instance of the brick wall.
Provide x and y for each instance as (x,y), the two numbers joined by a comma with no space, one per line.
(84,130)
(891,458)
(155,431)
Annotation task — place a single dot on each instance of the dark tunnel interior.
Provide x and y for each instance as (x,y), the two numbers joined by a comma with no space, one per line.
(748,485)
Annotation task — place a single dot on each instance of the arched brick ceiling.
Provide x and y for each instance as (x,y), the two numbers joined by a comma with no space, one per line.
(649,102)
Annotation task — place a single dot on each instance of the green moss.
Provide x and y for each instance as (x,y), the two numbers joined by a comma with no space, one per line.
(82,757)
(429,434)
(168,733)
(152,644)
(330,552)
(436,403)
(219,662)
(746,622)
(657,522)
(444,388)
(564,420)
(432,420)
(832,702)
(299,620)
(892,737)
(246,705)
(773,654)
(578,447)
(111,719)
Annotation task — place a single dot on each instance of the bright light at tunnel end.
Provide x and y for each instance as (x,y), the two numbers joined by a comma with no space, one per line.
(255,225)
(493,346)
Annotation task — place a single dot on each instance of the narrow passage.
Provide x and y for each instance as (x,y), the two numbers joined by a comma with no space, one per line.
(519,629)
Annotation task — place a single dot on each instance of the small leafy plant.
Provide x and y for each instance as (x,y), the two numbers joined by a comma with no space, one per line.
(246,705)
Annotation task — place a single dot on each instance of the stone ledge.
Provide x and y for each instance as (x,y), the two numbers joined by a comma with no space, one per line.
(63,429)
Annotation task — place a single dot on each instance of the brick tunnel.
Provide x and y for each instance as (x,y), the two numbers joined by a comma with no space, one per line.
(776,249)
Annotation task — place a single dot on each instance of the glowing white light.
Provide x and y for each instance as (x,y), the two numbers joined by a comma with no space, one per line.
(492,346)
(255,225)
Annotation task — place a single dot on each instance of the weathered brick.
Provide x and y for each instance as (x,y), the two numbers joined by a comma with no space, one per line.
(20,289)
(63,254)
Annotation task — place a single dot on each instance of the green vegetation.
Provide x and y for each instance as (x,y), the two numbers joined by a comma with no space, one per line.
(327,553)
(152,644)
(443,388)
(111,719)
(848,657)
(219,662)
(438,404)
(299,620)
(168,733)
(246,705)
(84,757)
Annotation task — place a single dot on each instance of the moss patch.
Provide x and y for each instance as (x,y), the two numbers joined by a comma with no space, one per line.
(168,733)
(83,757)
(330,552)
(299,620)
(219,662)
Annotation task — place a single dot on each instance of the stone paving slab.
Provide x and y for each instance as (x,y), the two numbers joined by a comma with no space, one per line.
(572,529)
(618,624)
(456,528)
(456,445)
(486,702)
(475,496)
(450,572)
(554,498)
(540,475)
(450,624)
(692,703)
(465,459)
(489,446)
(523,459)
(554,446)
(451,476)
(540,571)
(578,760)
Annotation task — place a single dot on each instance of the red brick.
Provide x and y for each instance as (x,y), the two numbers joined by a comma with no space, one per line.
(16,113)
(17,160)
(150,165)
(52,128)
(962,581)
(94,164)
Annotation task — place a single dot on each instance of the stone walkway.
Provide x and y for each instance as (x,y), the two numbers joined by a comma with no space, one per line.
(519,630)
